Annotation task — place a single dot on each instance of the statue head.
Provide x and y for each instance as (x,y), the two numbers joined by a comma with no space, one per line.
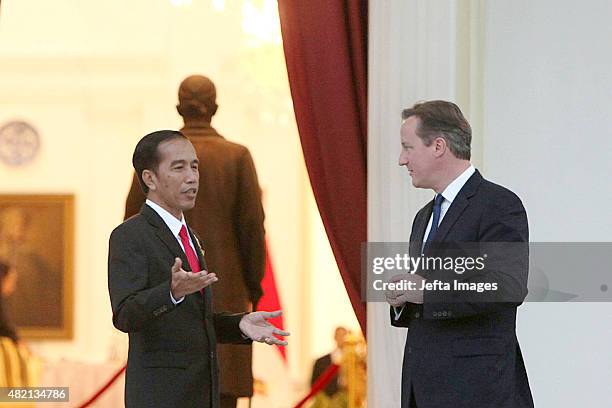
(197,99)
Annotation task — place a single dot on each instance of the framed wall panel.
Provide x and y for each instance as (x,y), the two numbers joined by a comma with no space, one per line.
(36,241)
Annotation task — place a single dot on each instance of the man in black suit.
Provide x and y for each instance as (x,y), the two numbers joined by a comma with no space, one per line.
(461,350)
(323,363)
(160,289)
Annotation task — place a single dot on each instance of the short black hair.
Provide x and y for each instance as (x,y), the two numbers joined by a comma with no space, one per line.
(146,154)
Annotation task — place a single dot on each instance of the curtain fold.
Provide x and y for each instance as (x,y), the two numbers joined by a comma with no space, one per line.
(325,44)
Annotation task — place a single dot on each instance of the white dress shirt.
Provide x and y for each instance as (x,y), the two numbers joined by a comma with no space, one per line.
(449,194)
(175,226)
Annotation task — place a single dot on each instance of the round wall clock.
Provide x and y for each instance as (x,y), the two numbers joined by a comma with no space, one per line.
(19,143)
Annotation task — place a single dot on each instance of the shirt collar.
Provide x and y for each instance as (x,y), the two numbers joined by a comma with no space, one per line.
(172,223)
(451,191)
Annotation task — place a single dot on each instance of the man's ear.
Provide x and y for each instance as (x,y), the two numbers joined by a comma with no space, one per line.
(440,145)
(149,178)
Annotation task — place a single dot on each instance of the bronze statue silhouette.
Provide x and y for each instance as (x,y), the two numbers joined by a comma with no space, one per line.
(229,216)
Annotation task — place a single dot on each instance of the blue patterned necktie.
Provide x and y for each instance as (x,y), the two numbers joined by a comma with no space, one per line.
(437,209)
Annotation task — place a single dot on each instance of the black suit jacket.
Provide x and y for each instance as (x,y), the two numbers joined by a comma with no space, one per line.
(463,352)
(320,365)
(172,359)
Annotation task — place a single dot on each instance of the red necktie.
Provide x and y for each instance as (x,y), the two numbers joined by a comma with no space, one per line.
(194,263)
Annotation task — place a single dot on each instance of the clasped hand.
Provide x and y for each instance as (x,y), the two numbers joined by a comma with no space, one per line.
(398,297)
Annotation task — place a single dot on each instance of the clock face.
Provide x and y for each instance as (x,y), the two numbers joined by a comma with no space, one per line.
(19,143)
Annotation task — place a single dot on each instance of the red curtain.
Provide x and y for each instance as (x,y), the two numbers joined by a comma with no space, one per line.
(325,43)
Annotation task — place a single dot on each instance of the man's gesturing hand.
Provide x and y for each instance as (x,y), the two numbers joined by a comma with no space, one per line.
(184,283)
(256,326)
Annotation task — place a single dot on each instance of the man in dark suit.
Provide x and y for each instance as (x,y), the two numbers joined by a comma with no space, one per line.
(159,287)
(335,357)
(461,350)
(230,218)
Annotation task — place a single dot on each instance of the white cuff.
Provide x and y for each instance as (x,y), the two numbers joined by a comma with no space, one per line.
(176,302)
(397,312)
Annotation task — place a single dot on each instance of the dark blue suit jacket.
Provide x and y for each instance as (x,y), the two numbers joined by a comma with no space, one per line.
(462,352)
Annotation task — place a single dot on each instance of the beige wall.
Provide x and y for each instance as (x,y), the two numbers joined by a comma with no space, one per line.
(94,79)
(537,95)
(419,50)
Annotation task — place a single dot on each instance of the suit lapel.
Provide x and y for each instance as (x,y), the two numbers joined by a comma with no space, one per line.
(164,234)
(460,203)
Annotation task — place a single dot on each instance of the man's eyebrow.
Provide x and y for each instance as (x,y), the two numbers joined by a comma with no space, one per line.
(175,162)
